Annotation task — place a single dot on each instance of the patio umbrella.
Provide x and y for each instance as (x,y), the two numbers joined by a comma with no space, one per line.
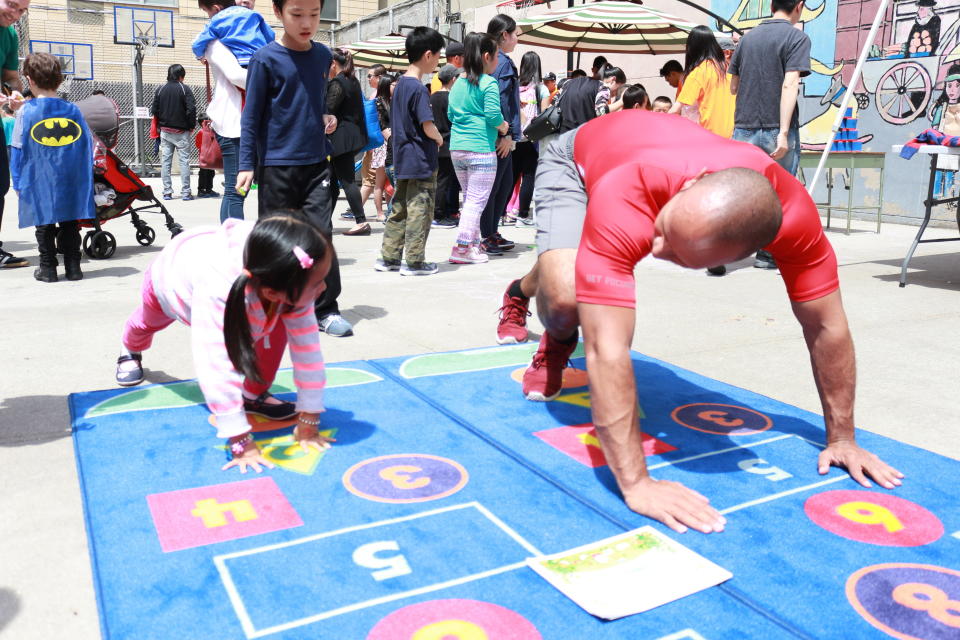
(389,50)
(607,27)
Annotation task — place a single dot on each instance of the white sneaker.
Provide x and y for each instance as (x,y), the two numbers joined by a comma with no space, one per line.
(470,254)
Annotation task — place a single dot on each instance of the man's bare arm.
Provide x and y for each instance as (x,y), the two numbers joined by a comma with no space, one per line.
(12,78)
(608,332)
(734,84)
(828,339)
(788,102)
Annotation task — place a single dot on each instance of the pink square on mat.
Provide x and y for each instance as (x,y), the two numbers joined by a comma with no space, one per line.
(579,441)
(206,515)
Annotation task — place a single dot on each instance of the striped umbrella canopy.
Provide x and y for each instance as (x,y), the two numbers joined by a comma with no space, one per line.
(607,27)
(389,50)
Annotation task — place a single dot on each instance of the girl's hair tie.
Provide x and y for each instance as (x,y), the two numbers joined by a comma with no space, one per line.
(305,261)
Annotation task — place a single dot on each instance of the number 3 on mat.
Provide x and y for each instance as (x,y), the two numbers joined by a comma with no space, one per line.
(761,467)
(387,567)
(400,476)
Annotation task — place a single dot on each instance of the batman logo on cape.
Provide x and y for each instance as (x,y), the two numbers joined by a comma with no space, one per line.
(56,132)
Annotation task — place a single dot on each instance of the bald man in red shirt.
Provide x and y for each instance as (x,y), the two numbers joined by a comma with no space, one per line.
(636,183)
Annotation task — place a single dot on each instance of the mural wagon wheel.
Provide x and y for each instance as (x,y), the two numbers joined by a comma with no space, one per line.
(863,101)
(903,93)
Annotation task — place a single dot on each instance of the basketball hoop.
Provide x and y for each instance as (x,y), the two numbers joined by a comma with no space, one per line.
(517,8)
(147,44)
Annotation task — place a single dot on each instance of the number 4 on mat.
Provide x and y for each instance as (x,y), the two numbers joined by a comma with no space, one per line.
(387,566)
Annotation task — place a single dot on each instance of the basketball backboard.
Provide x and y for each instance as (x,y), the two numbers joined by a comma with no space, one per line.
(76,59)
(137,26)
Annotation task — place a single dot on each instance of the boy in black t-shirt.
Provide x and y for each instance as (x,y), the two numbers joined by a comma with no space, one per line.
(416,142)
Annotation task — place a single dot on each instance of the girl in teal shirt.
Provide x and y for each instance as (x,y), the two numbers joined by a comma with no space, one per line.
(475,121)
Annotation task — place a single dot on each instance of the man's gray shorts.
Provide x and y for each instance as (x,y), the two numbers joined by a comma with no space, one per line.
(559,196)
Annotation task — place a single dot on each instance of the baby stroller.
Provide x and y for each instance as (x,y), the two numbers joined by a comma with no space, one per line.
(116,186)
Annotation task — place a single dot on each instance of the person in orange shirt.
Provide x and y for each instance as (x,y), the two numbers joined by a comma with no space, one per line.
(672,72)
(706,84)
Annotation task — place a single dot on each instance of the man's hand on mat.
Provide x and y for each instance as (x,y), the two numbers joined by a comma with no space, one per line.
(251,458)
(674,505)
(859,463)
(310,437)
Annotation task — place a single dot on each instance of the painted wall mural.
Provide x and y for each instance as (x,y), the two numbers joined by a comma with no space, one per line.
(910,81)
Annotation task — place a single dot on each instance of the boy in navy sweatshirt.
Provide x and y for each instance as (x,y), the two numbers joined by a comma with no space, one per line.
(284,112)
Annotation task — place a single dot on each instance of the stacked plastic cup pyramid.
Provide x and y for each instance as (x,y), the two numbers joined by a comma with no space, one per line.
(847,138)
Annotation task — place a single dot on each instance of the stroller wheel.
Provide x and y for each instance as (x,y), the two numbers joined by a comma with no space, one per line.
(87,238)
(102,245)
(146,235)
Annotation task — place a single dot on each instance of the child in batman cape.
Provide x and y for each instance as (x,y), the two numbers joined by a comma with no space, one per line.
(51,163)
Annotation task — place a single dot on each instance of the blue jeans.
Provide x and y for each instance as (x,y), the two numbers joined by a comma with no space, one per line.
(179,142)
(231,205)
(766,139)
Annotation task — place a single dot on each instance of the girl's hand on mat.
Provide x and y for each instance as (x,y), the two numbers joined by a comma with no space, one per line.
(251,458)
(859,463)
(674,505)
(310,437)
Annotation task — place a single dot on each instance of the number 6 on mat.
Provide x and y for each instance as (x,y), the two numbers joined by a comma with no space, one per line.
(387,567)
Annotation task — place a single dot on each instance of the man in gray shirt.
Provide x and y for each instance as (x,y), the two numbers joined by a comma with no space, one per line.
(766,69)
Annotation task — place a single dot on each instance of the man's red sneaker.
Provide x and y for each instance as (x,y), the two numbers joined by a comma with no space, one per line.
(543,379)
(513,319)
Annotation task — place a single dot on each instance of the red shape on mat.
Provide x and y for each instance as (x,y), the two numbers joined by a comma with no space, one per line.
(206,515)
(451,619)
(874,518)
(580,442)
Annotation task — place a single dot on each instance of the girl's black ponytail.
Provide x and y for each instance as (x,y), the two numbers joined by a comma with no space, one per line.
(236,331)
(269,261)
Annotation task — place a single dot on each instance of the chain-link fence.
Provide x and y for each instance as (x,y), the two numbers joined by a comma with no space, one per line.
(134,145)
(84,21)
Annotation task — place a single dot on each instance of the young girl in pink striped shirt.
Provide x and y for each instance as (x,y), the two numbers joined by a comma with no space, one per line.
(246,290)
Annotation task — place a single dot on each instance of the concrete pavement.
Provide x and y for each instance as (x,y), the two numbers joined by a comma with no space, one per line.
(64,337)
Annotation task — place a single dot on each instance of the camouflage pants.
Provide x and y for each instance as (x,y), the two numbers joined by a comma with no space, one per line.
(409,224)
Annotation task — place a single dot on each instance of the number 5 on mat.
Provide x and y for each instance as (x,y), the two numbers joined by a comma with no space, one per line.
(387,567)
(761,467)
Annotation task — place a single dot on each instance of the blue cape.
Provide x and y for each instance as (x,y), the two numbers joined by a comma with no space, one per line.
(51,161)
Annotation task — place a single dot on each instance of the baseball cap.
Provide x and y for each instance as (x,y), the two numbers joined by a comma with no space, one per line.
(453,48)
(447,73)
(550,76)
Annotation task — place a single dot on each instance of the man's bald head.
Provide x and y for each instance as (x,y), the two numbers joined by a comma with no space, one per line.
(722,217)
(741,207)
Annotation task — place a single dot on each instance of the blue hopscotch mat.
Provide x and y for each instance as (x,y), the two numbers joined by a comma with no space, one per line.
(416,524)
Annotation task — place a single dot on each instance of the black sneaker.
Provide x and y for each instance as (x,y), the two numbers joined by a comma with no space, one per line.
(502,243)
(489,246)
(10,261)
(446,223)
(764,260)
(717,271)
(258,406)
